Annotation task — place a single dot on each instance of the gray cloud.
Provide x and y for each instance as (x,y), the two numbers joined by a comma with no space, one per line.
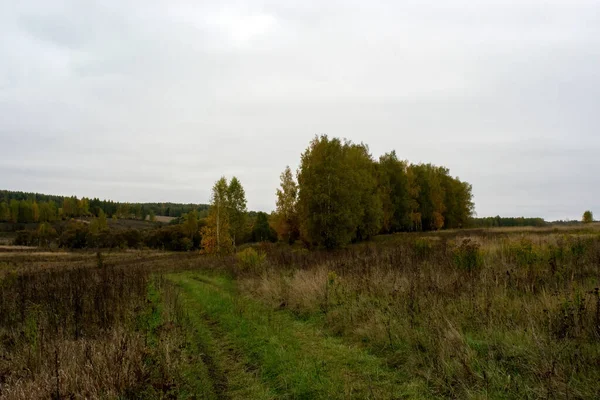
(154,101)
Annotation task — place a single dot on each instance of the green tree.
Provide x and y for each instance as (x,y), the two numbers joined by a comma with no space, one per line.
(236,203)
(588,217)
(395,194)
(458,202)
(152,216)
(102,221)
(261,230)
(25,212)
(99,223)
(337,198)
(215,235)
(69,207)
(46,233)
(35,211)
(364,172)
(4,211)
(285,218)
(191,224)
(47,211)
(83,207)
(431,195)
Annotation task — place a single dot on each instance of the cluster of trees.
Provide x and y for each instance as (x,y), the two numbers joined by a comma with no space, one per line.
(227,225)
(97,233)
(497,221)
(588,217)
(226,219)
(21,207)
(343,195)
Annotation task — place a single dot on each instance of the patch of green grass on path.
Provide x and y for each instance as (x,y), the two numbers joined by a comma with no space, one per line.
(294,359)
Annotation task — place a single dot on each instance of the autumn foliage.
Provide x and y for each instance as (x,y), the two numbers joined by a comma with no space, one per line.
(344,195)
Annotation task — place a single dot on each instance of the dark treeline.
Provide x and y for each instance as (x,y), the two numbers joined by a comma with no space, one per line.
(497,221)
(21,207)
(343,195)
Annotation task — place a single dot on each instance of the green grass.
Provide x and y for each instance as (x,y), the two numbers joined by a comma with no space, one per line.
(294,359)
(175,360)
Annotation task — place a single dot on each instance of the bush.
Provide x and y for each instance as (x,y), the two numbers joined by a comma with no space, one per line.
(524,252)
(26,238)
(250,260)
(170,238)
(467,256)
(74,236)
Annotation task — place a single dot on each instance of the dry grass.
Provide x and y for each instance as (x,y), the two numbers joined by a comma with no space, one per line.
(464,314)
(513,315)
(164,219)
(83,326)
(80,369)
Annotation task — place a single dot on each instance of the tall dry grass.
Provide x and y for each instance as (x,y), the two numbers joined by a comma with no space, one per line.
(90,325)
(501,314)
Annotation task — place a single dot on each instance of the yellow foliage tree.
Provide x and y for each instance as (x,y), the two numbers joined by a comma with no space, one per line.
(216,238)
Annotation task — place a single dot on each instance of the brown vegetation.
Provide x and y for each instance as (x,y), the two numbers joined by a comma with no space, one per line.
(501,315)
(488,313)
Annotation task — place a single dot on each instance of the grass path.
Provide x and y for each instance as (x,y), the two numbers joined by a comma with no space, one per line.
(257,353)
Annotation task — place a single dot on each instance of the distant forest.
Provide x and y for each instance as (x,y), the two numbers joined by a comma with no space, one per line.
(23,207)
(498,221)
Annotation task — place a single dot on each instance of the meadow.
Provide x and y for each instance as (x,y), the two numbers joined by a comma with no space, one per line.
(476,314)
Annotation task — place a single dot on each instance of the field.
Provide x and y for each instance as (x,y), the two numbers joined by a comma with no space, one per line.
(495,313)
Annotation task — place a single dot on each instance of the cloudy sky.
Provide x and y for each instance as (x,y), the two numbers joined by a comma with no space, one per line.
(155,100)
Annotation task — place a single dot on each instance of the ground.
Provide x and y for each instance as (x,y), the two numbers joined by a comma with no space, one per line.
(463,314)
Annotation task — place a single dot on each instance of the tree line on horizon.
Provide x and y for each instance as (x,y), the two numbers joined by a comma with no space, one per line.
(23,207)
(498,221)
(340,194)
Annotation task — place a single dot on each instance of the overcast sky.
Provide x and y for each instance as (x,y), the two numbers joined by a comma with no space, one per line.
(155,100)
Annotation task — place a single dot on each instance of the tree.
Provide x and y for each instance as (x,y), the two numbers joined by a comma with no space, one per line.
(46,233)
(395,193)
(285,219)
(191,224)
(364,172)
(262,231)
(47,212)
(458,202)
(69,207)
(35,210)
(236,204)
(337,197)
(99,223)
(102,221)
(588,217)
(83,207)
(4,211)
(25,212)
(152,216)
(431,195)
(215,235)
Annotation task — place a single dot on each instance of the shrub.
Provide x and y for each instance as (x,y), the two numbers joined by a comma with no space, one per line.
(467,256)
(250,260)
(524,253)
(25,238)
(74,236)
